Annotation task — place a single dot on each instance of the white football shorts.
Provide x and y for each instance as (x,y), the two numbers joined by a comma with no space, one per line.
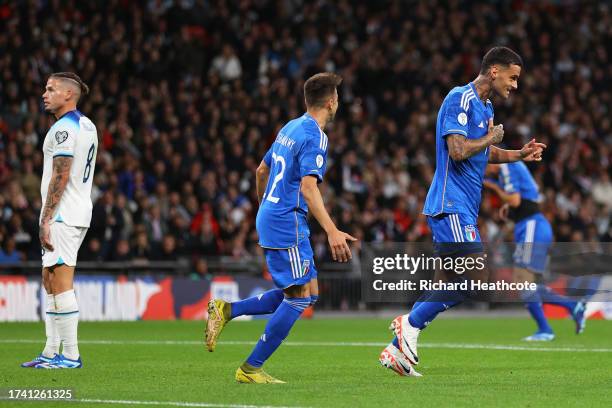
(66,241)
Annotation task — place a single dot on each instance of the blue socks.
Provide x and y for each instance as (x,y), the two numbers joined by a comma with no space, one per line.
(313,299)
(423,298)
(549,296)
(424,312)
(533,303)
(262,304)
(277,329)
(537,312)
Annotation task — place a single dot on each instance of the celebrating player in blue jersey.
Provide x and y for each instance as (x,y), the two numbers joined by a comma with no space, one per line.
(287,188)
(465,139)
(533,236)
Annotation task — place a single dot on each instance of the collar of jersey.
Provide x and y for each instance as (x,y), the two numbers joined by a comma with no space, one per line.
(74,110)
(309,116)
(477,96)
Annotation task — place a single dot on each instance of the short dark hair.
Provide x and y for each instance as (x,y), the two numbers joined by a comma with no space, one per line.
(320,87)
(73,77)
(501,56)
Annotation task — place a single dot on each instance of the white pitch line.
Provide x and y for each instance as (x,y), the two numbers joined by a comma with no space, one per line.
(164,403)
(469,346)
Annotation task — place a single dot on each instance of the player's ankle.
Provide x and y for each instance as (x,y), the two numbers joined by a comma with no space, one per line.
(71,355)
(227,310)
(249,369)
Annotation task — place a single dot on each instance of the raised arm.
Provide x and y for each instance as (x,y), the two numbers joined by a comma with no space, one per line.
(532,151)
(461,148)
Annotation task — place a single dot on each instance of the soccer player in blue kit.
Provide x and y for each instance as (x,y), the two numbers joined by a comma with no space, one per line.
(465,139)
(286,183)
(533,235)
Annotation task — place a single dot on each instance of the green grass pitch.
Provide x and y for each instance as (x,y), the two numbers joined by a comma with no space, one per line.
(465,362)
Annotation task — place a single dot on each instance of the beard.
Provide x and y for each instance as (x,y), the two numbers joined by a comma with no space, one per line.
(331,116)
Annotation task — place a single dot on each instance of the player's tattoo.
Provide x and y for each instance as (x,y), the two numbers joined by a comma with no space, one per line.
(460,148)
(57,185)
(497,134)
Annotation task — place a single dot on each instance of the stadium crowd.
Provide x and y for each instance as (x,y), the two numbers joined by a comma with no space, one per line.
(187,96)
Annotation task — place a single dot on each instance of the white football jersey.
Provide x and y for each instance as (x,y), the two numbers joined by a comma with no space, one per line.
(73,135)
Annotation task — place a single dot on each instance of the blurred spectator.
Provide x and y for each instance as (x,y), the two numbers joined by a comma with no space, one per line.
(91,251)
(227,64)
(167,250)
(122,251)
(30,181)
(142,249)
(200,269)
(9,253)
(106,224)
(155,225)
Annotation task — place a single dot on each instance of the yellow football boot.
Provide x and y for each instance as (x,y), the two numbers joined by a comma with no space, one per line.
(259,377)
(218,316)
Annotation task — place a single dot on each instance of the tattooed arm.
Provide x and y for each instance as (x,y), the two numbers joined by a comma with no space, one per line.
(461,148)
(57,185)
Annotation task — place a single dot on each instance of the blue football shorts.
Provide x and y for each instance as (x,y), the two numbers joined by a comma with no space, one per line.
(533,236)
(455,234)
(291,266)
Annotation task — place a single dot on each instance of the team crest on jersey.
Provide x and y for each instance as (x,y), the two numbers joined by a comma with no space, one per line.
(61,136)
(462,119)
(305,267)
(470,233)
(319,161)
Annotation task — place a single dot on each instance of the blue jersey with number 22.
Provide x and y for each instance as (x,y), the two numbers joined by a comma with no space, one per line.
(300,150)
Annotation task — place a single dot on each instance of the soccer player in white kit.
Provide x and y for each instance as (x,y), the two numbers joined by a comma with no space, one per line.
(69,150)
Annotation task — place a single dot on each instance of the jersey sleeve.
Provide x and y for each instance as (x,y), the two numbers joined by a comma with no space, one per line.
(508,180)
(64,138)
(268,157)
(312,156)
(456,116)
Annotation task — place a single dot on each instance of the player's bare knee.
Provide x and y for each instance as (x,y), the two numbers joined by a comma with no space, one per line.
(61,278)
(297,291)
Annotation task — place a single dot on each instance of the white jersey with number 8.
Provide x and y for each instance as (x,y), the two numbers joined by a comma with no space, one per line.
(73,135)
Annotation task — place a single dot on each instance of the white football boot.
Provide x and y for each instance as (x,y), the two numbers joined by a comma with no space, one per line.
(393,359)
(407,337)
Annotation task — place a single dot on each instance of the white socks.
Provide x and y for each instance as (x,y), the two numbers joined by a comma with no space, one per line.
(66,322)
(53,340)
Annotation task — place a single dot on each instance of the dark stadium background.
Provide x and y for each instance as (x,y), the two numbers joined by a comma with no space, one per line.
(188,95)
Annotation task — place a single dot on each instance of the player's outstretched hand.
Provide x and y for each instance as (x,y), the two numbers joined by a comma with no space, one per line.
(496,132)
(339,248)
(45,236)
(532,151)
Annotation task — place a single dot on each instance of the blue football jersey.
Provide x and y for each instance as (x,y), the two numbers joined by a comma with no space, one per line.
(516,178)
(300,149)
(456,186)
